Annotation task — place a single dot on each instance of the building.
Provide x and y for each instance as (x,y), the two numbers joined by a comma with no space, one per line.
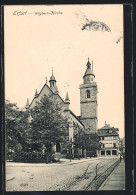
(108,141)
(122,145)
(88,100)
(88,104)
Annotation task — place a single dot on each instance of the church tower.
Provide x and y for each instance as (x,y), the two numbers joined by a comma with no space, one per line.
(53,85)
(88,100)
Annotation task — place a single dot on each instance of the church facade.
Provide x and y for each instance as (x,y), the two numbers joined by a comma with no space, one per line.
(87,121)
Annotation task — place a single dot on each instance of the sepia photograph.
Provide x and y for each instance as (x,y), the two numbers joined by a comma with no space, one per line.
(64,97)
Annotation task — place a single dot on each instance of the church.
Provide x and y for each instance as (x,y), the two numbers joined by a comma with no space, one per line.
(87,121)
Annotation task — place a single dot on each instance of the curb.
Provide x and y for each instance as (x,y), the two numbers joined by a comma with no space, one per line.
(103,184)
(49,165)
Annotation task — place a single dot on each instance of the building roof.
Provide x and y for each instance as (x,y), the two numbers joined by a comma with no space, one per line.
(107,130)
(107,126)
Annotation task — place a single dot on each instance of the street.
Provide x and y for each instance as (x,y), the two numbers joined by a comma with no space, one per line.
(66,175)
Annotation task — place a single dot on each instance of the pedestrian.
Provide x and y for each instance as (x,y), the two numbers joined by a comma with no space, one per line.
(124,157)
(120,157)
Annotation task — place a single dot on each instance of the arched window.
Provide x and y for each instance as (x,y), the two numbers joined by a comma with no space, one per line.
(87,94)
(58,147)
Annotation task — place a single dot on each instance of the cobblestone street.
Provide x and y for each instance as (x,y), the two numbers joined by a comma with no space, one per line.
(65,175)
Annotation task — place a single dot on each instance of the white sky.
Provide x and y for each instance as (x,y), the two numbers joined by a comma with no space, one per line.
(34,44)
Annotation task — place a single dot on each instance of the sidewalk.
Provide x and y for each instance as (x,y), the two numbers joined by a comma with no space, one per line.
(62,162)
(116,180)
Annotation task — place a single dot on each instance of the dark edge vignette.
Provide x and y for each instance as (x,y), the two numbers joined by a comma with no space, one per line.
(128,79)
(2,121)
(128,106)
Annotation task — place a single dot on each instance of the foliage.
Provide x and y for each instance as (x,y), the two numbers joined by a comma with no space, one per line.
(48,126)
(31,156)
(90,142)
(16,127)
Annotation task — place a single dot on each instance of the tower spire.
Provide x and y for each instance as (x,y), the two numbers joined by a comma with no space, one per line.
(89,76)
(67,97)
(36,93)
(67,101)
(27,103)
(52,71)
(88,64)
(46,80)
(53,83)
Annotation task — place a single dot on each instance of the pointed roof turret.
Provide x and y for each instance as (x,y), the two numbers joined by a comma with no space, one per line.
(67,101)
(27,103)
(89,70)
(67,98)
(46,80)
(88,64)
(52,78)
(36,93)
(53,85)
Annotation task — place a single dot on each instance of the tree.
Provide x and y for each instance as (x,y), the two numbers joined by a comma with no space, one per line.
(79,141)
(48,124)
(90,142)
(15,125)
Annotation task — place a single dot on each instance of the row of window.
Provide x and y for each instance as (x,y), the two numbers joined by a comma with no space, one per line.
(109,131)
(109,138)
(109,145)
(108,152)
(88,79)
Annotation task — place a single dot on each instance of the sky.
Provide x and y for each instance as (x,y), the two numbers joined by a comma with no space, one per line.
(38,38)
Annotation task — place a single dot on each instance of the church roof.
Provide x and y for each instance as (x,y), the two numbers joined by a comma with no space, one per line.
(75,116)
(42,90)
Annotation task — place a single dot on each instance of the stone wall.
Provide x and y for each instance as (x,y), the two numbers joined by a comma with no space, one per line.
(90,125)
(89,109)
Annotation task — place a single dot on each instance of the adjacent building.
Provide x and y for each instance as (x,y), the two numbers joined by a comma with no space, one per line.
(108,141)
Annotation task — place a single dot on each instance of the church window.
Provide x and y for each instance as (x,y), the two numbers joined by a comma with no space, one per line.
(87,94)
